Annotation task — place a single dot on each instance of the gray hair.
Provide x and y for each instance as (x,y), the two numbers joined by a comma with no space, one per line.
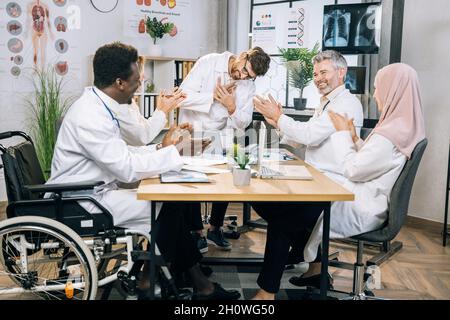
(337,58)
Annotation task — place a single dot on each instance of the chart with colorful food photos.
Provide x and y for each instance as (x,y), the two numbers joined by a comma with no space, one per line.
(173,11)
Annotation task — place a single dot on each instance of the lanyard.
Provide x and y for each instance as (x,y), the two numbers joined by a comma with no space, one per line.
(109,110)
(326,105)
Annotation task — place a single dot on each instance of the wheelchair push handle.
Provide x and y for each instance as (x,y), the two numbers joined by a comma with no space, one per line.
(10,134)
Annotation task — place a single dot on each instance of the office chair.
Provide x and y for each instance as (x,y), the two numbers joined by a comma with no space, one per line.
(397,212)
(386,248)
(51,248)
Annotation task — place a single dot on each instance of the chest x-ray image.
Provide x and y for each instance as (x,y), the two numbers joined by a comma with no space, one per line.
(352,28)
(367,28)
(336,28)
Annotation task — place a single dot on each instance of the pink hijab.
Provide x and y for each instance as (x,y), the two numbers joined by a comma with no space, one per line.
(401,121)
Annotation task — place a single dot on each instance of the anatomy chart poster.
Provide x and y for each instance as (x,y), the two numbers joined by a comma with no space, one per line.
(177,12)
(37,34)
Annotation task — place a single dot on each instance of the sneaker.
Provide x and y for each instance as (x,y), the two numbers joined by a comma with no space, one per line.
(219,293)
(201,242)
(216,238)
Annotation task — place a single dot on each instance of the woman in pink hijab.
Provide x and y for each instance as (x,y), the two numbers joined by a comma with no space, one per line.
(370,170)
(398,99)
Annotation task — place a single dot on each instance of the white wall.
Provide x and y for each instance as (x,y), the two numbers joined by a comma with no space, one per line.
(98,29)
(426,31)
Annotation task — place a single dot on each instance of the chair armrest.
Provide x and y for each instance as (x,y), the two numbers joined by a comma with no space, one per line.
(76,186)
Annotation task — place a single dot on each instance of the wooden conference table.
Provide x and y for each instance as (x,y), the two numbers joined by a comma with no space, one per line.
(320,190)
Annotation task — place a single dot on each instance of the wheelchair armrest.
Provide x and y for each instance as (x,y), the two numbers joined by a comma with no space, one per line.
(76,186)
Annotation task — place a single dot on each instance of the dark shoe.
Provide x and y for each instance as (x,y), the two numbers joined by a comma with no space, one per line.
(219,293)
(201,242)
(216,238)
(313,281)
(207,271)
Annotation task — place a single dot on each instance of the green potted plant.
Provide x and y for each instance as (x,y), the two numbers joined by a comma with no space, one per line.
(241,173)
(157,29)
(47,107)
(300,69)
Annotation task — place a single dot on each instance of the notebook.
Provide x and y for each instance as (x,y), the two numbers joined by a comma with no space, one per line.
(183,176)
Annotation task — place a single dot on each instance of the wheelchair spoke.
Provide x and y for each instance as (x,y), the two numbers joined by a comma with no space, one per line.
(36,263)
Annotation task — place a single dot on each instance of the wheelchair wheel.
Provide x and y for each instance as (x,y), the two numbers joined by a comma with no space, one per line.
(43,259)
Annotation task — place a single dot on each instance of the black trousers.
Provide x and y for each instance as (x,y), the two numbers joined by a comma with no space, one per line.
(173,237)
(194,216)
(288,225)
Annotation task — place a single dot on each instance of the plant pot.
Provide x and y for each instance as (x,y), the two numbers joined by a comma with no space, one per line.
(155,50)
(299,104)
(241,177)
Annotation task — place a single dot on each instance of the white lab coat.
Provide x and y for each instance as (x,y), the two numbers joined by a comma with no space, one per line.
(89,147)
(201,110)
(370,171)
(134,128)
(315,133)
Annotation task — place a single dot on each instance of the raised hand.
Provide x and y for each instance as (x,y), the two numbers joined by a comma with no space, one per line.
(269,108)
(168,102)
(342,123)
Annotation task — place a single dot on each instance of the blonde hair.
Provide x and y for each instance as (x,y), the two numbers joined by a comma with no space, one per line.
(141,63)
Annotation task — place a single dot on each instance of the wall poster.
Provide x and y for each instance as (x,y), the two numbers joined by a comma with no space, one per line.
(37,34)
(177,12)
(279,26)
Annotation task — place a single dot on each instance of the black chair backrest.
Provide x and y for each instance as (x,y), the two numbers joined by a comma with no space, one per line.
(21,167)
(399,199)
(365,132)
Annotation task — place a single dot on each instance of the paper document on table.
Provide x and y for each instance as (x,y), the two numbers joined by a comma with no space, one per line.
(204,162)
(183,176)
(205,169)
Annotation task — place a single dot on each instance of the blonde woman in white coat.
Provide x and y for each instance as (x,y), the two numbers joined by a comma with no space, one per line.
(371,168)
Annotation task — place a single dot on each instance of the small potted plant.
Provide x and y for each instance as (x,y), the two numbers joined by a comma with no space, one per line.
(157,29)
(300,70)
(241,173)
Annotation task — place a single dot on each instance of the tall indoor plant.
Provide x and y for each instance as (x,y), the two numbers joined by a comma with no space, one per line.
(300,69)
(47,106)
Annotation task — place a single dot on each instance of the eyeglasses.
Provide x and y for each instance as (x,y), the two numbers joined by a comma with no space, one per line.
(245,71)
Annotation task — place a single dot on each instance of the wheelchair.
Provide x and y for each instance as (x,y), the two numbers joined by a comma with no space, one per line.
(51,248)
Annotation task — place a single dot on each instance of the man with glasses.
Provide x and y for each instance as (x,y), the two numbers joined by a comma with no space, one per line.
(220,89)
(219,92)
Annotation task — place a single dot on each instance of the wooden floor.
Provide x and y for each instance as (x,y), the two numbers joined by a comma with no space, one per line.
(421,270)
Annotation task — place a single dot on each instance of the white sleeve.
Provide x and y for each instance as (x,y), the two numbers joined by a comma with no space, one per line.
(197,99)
(374,159)
(135,129)
(310,133)
(127,165)
(243,114)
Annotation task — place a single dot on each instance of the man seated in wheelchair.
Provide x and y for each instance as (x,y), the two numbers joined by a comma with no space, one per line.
(90,148)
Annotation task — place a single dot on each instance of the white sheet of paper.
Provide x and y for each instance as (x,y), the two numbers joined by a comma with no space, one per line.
(205,169)
(205,162)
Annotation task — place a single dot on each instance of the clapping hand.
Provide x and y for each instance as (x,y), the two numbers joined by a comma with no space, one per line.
(168,102)
(269,108)
(176,134)
(342,123)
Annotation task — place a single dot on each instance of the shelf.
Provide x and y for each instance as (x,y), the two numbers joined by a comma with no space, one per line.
(140,94)
(169,59)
